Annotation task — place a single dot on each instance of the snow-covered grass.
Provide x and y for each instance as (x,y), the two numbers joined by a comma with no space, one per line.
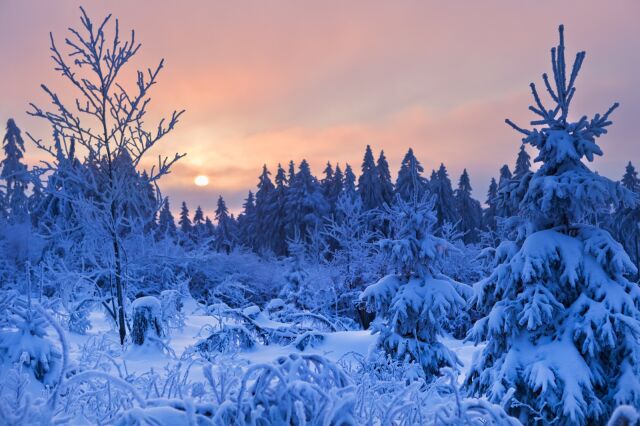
(342,375)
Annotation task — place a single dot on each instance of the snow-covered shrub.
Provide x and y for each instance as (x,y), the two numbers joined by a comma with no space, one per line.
(458,410)
(310,339)
(410,305)
(624,415)
(230,339)
(295,275)
(79,319)
(147,320)
(296,389)
(25,341)
(563,321)
(172,314)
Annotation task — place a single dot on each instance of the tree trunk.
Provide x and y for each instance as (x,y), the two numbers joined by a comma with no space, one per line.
(119,291)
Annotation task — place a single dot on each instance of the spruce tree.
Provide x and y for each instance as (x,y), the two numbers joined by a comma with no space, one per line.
(328,185)
(166,224)
(410,182)
(410,304)
(440,186)
(369,187)
(489,214)
(337,187)
(15,174)
(630,179)
(624,223)
(562,320)
(198,217)
(264,204)
(247,222)
(306,206)
(185,221)
(384,176)
(349,182)
(224,238)
(277,214)
(469,211)
(523,164)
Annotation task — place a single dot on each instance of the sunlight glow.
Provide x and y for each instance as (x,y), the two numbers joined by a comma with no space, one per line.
(201,180)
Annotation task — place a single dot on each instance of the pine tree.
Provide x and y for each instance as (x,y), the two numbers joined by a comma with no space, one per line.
(185,221)
(247,222)
(469,211)
(624,223)
(15,174)
(562,323)
(384,176)
(369,187)
(328,186)
(198,217)
(264,204)
(523,164)
(224,233)
(630,179)
(337,187)
(306,206)
(277,214)
(198,231)
(349,182)
(209,228)
(503,206)
(440,186)
(292,173)
(166,224)
(410,182)
(411,303)
(489,214)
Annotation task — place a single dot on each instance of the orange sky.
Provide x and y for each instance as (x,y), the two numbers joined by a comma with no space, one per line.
(270,81)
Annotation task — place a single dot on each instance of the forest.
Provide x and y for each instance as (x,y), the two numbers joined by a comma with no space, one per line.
(351,297)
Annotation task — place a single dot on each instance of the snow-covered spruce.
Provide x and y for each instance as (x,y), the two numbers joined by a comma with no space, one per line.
(411,304)
(147,320)
(563,322)
(24,341)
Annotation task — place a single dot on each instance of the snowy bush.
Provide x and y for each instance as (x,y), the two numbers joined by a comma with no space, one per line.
(296,389)
(147,320)
(624,415)
(172,313)
(411,304)
(563,322)
(230,339)
(26,342)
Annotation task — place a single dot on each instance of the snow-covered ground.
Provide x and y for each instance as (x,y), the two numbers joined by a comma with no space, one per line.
(142,359)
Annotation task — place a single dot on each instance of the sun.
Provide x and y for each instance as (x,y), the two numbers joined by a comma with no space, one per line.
(201,180)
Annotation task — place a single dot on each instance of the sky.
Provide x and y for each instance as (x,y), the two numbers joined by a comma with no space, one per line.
(265,82)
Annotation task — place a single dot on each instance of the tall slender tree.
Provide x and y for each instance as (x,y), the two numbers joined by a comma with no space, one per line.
(440,186)
(489,214)
(166,224)
(369,187)
(469,211)
(224,234)
(410,182)
(349,181)
(384,176)
(107,120)
(14,173)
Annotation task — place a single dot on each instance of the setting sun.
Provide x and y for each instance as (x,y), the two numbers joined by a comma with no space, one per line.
(201,180)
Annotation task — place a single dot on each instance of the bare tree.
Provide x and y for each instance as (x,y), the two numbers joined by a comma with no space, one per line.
(105,124)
